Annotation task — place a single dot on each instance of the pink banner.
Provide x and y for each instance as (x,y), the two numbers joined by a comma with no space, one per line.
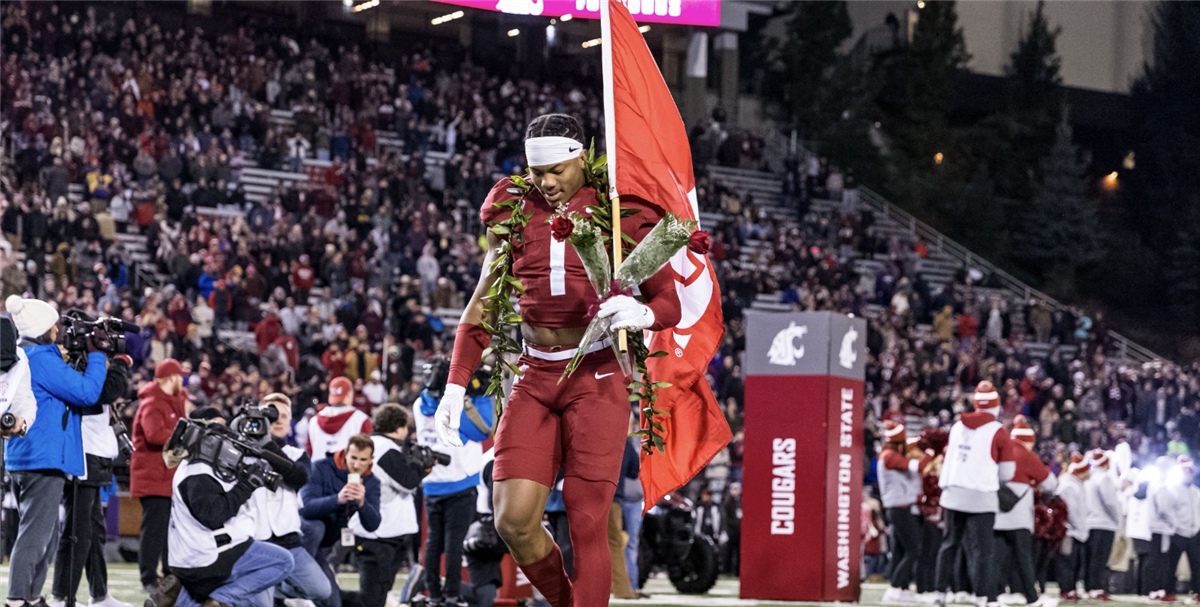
(687,12)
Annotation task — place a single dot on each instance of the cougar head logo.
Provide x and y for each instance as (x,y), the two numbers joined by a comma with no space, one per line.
(847,355)
(783,348)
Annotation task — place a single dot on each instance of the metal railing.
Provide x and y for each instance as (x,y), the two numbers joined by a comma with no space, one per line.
(1124,347)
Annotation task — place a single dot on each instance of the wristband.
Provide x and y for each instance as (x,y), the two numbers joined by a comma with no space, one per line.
(469,343)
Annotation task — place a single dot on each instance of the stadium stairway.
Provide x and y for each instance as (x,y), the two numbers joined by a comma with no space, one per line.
(946,257)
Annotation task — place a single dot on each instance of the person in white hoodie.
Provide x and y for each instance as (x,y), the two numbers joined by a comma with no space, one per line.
(979,456)
(331,429)
(1184,500)
(1139,509)
(1071,490)
(1014,528)
(899,489)
(1162,527)
(1103,516)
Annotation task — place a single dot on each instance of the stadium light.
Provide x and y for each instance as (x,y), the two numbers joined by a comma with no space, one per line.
(937,158)
(920,4)
(565,18)
(448,18)
(365,5)
(512,33)
(1110,181)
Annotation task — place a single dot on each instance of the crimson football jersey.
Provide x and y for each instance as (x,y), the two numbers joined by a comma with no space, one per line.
(557,290)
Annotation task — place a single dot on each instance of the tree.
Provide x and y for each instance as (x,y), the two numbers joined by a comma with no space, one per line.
(1013,142)
(1034,82)
(936,58)
(1060,233)
(1183,268)
(1165,129)
(803,65)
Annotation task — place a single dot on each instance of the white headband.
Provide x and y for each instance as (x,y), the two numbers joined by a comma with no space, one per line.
(985,396)
(548,151)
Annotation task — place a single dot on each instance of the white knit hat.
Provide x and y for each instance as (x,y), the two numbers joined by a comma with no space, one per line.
(32,317)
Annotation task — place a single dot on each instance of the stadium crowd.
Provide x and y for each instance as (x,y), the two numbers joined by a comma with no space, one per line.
(357,273)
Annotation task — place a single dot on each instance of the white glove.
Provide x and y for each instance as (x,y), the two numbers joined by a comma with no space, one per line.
(627,313)
(449,414)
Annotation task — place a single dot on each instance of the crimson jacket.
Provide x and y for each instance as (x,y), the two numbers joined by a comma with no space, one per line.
(152,426)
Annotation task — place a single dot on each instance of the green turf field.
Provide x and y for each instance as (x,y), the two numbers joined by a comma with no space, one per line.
(123,583)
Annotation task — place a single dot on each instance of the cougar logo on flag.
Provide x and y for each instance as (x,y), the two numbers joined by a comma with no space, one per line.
(847,356)
(783,348)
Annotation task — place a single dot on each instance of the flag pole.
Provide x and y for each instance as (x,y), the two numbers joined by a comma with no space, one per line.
(610,145)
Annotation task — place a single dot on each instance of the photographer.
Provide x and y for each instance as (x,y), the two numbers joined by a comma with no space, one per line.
(212,548)
(341,487)
(83,535)
(163,403)
(52,446)
(450,488)
(277,513)
(400,466)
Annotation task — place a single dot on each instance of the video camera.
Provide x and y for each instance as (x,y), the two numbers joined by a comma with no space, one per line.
(231,456)
(253,422)
(107,334)
(427,457)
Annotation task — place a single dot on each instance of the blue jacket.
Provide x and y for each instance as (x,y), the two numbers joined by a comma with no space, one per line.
(320,499)
(55,441)
(467,431)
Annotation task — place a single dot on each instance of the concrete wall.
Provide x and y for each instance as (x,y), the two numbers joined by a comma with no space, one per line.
(1103,44)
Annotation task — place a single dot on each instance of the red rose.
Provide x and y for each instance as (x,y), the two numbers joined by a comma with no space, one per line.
(561,228)
(698,242)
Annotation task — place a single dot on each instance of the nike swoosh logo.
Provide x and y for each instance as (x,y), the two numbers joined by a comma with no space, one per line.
(598,376)
(573,149)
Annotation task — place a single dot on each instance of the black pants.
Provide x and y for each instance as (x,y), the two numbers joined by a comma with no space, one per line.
(1158,574)
(561,532)
(970,533)
(156,520)
(1179,546)
(449,518)
(379,561)
(906,542)
(1145,575)
(84,534)
(931,538)
(1044,552)
(1099,547)
(1070,566)
(1014,555)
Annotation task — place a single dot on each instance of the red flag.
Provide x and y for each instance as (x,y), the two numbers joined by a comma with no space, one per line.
(649,157)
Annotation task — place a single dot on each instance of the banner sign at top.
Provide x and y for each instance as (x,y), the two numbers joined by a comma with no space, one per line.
(687,12)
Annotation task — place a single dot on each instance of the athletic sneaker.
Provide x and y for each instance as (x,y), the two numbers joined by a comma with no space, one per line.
(1012,598)
(107,601)
(54,601)
(1071,597)
(961,598)
(896,596)
(927,598)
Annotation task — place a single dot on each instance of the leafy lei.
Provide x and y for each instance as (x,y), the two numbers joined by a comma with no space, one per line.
(506,288)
